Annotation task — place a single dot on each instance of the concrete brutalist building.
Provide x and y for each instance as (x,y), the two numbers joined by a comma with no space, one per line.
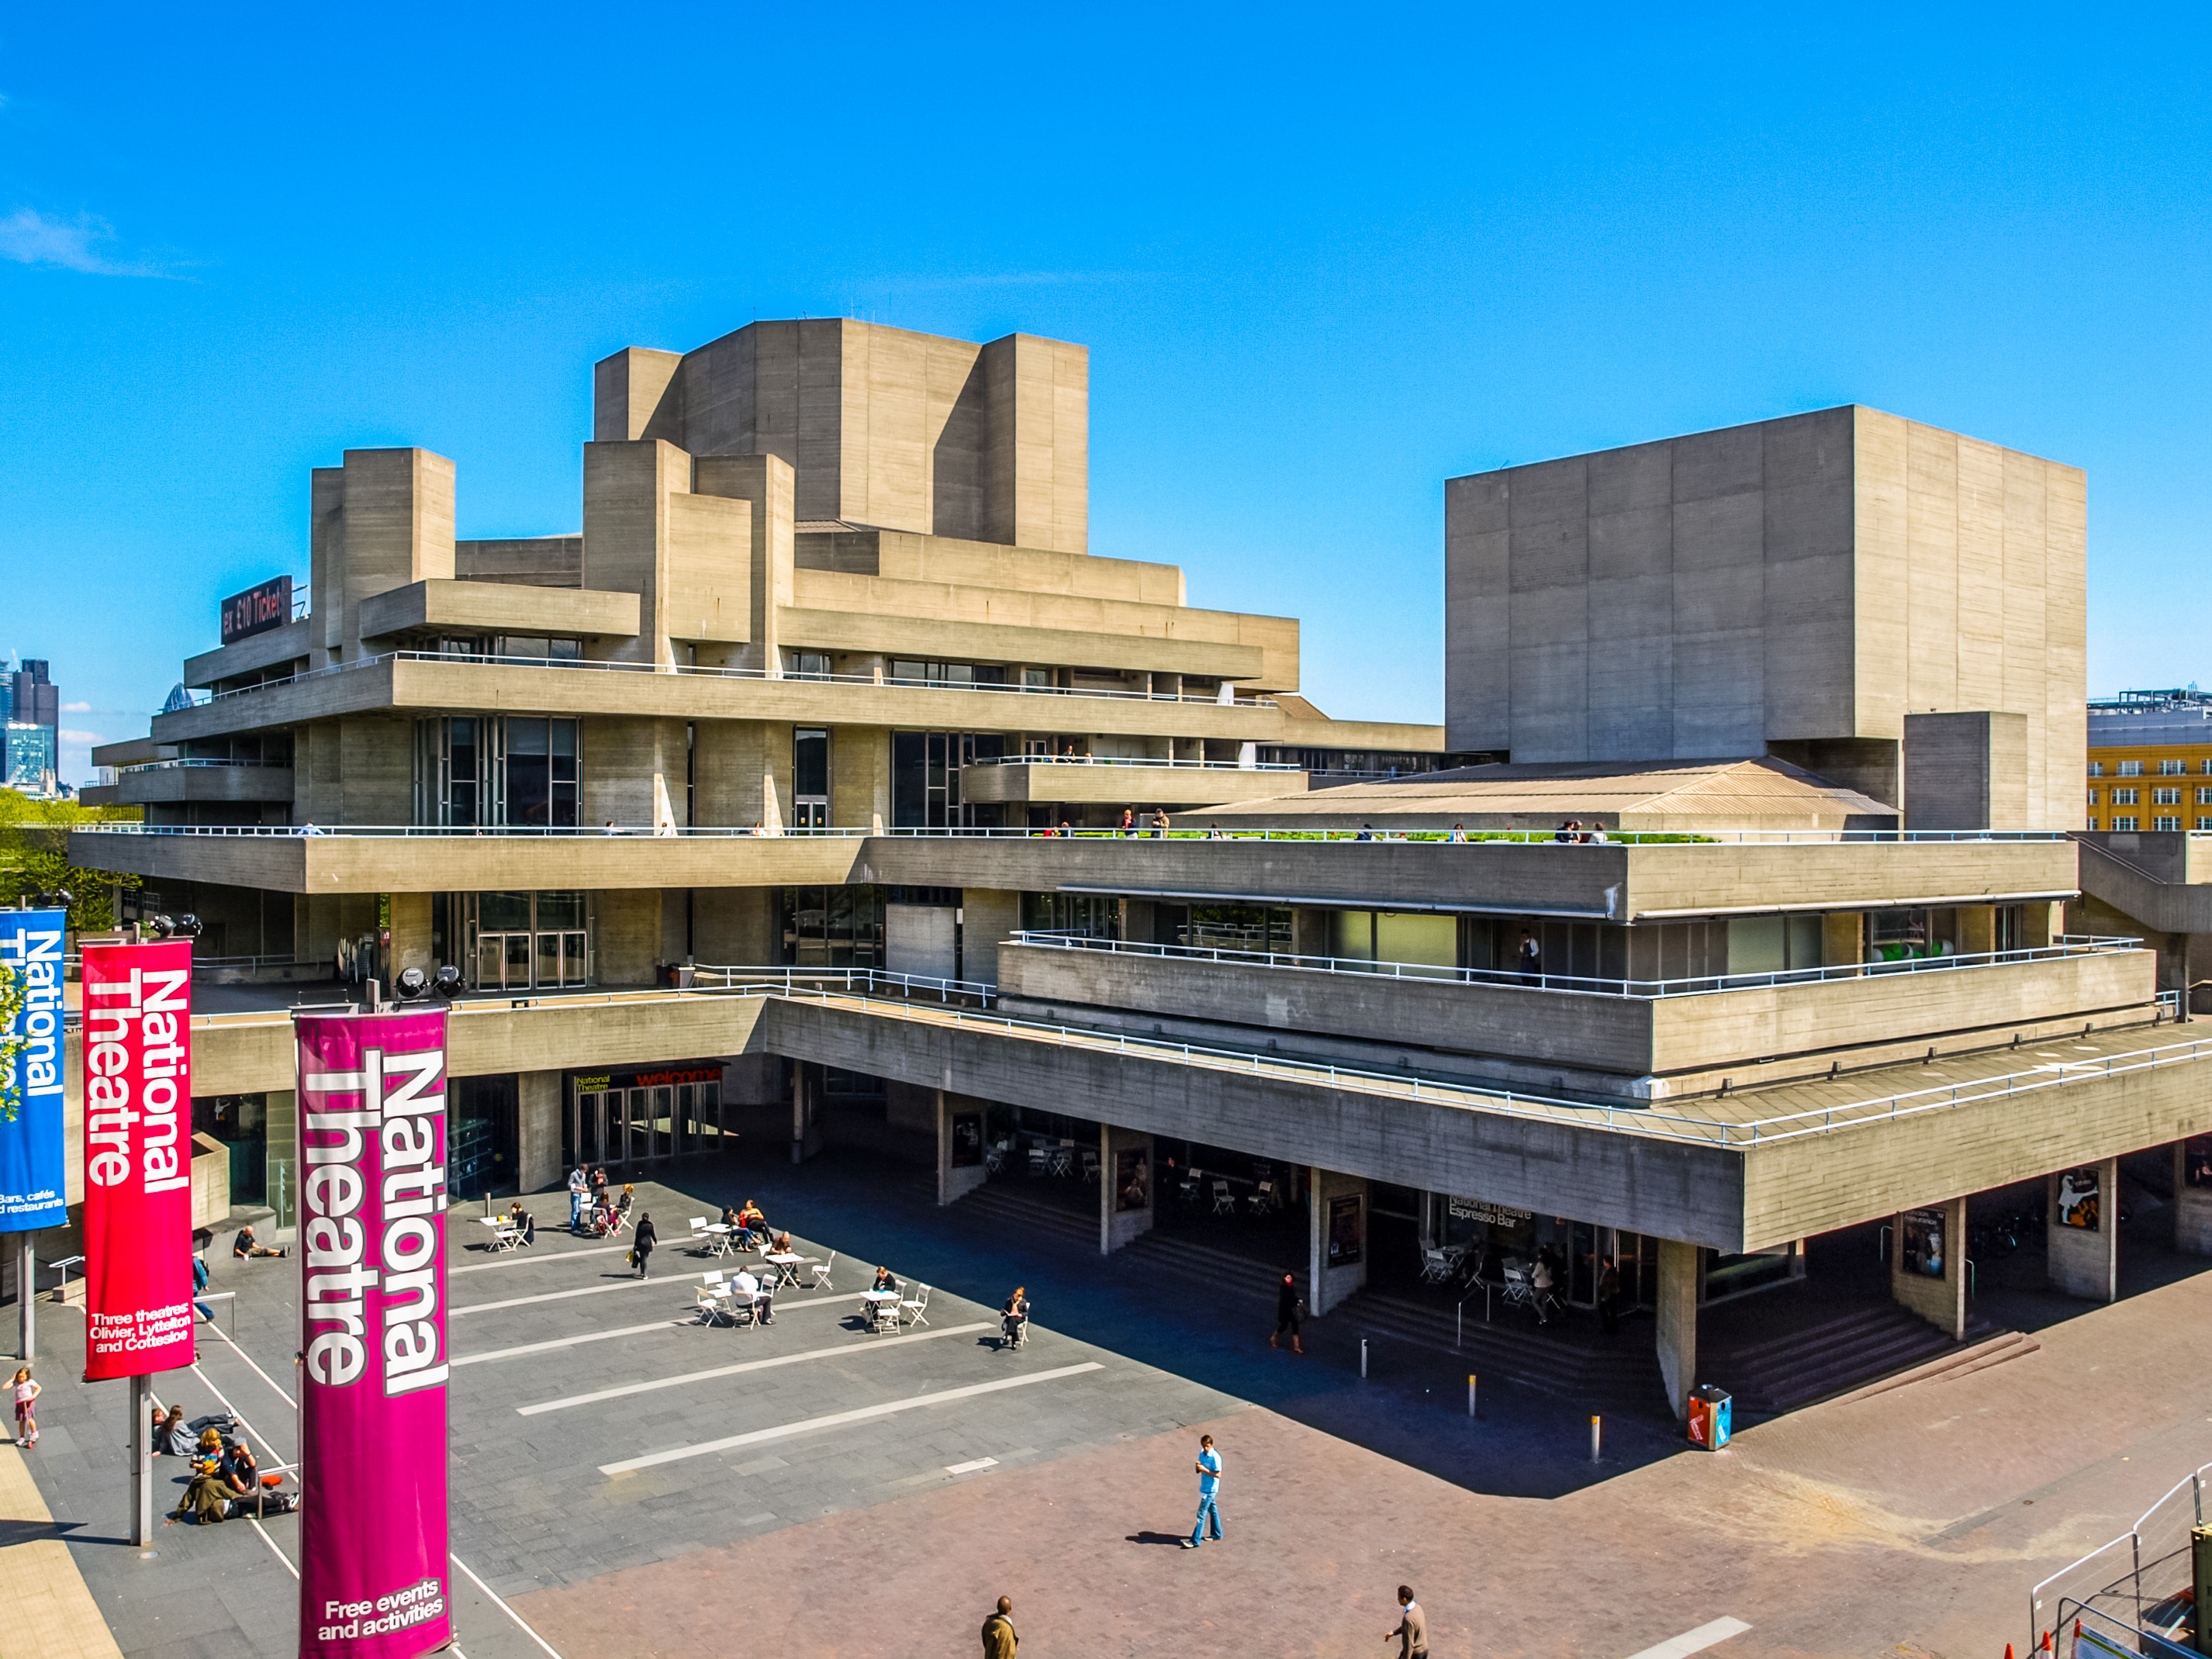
(782,801)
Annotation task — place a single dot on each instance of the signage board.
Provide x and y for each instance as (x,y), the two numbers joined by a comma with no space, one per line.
(375,1575)
(1499,1215)
(31,1191)
(258,610)
(138,1159)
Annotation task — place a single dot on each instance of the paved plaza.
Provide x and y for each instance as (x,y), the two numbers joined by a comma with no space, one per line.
(628,1481)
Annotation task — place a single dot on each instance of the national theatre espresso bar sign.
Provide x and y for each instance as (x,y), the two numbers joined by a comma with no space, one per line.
(373,1568)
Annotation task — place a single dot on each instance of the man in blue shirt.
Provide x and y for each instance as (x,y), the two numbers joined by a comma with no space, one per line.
(1209,1484)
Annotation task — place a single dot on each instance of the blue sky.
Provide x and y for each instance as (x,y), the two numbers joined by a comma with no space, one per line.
(1323,259)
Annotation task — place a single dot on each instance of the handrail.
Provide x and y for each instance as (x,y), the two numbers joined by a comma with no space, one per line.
(2068,946)
(1676,1123)
(498,660)
(171,765)
(1241,833)
(1135,760)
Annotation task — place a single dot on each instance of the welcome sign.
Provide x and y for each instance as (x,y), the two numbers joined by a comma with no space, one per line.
(373,1578)
(138,1159)
(32,1194)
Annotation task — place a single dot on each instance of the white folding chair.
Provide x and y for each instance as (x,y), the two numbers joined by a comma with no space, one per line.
(1036,1160)
(1063,1161)
(887,1315)
(1436,1266)
(821,1273)
(1263,1197)
(700,1237)
(1225,1202)
(915,1307)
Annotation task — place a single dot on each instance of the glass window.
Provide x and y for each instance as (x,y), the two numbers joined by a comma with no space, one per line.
(2092,798)
(2123,797)
(503,912)
(2204,823)
(2165,824)
(2131,768)
(560,909)
(810,763)
(2171,769)
(2166,798)
(2123,825)
(2096,768)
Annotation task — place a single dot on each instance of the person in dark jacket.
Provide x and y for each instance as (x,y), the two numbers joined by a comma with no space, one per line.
(998,1638)
(1286,1314)
(642,1242)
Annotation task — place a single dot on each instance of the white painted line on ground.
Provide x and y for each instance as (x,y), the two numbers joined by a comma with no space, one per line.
(681,1280)
(501,1605)
(271,1542)
(843,1350)
(970,1468)
(258,1371)
(567,1341)
(835,1419)
(524,1259)
(1694,1641)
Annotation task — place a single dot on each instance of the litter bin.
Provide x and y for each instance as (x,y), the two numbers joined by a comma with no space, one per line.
(1709,1417)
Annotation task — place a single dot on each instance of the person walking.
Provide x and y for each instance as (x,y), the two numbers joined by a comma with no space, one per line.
(642,1241)
(27,1391)
(1286,1314)
(1608,1299)
(1208,1468)
(1411,1635)
(200,1284)
(999,1640)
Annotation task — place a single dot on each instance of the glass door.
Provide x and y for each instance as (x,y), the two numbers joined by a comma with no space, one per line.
(589,1109)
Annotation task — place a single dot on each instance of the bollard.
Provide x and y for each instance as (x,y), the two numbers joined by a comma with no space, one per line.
(1362,1357)
(1474,1400)
(1459,1327)
(1597,1436)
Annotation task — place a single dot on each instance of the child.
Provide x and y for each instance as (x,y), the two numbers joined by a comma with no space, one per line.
(27,1399)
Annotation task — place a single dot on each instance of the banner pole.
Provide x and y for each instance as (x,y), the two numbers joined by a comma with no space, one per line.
(26,1295)
(141,1461)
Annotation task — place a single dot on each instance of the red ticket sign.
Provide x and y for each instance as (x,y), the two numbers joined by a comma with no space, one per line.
(138,1159)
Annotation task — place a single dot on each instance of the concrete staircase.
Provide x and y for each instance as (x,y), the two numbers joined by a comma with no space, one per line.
(1826,1357)
(1002,1204)
(1572,1361)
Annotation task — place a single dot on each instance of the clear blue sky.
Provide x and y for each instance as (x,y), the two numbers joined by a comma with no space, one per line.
(1323,259)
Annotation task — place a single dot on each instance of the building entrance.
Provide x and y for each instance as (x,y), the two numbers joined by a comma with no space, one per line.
(526,941)
(632,1120)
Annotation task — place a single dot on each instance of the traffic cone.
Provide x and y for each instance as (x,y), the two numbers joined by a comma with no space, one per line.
(2008,1650)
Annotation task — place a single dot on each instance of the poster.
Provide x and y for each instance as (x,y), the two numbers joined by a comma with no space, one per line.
(2196,1162)
(375,1575)
(2078,1201)
(1923,1243)
(32,1194)
(1133,1179)
(138,1159)
(966,1139)
(1344,1230)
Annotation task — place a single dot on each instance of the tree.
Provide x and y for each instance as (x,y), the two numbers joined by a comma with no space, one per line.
(34,857)
(11,1042)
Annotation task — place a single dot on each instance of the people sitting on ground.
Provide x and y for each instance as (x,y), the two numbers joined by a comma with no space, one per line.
(240,1466)
(170,1437)
(207,1498)
(246,1245)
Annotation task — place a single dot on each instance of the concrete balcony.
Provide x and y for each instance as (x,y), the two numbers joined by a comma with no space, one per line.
(1098,781)
(1671,1035)
(163,782)
(500,608)
(431,683)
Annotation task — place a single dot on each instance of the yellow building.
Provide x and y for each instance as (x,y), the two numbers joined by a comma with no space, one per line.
(2150,761)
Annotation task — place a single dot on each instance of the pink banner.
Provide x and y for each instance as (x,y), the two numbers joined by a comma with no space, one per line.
(374,1579)
(138,1159)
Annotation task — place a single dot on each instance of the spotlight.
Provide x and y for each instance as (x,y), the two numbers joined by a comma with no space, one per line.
(161,928)
(412,982)
(188,926)
(449,982)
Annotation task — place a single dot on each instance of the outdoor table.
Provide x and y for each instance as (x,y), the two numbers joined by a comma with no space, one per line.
(877,1299)
(787,1265)
(503,1231)
(718,1232)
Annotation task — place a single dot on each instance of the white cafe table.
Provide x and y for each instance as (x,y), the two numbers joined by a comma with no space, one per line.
(786,1264)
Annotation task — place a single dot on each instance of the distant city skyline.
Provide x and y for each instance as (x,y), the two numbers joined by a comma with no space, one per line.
(1311,291)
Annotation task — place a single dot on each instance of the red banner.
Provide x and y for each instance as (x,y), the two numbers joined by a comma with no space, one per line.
(138,1159)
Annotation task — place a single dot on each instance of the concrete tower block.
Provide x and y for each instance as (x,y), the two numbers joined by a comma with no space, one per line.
(1037,453)
(637,393)
(627,533)
(382,520)
(768,485)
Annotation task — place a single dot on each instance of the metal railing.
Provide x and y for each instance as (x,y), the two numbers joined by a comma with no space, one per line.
(2067,946)
(1675,1125)
(492,659)
(172,765)
(1211,833)
(1131,759)
(705,978)
(2132,1581)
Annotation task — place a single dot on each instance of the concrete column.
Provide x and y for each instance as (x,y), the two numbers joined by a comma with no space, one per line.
(2085,1261)
(1330,1275)
(280,1153)
(1941,1300)
(1676,1305)
(2192,1205)
(955,1181)
(537,1130)
(410,932)
(805,1113)
(988,914)
(1117,1226)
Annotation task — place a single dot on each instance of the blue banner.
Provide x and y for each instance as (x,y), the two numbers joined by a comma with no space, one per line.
(30,1191)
